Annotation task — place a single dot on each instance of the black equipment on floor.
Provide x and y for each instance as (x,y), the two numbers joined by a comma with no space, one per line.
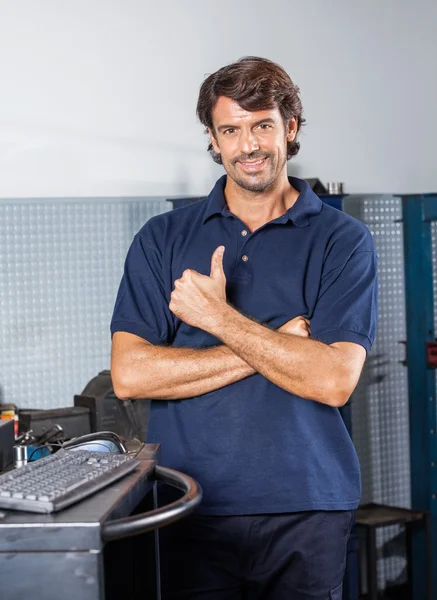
(7,441)
(97,408)
(109,413)
(75,421)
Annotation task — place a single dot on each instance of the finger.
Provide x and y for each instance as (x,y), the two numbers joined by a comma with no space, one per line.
(303,334)
(217,263)
(302,320)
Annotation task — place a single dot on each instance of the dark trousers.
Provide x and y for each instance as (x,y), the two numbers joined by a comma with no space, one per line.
(295,556)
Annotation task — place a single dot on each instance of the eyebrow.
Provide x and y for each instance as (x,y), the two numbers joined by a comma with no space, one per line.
(267,120)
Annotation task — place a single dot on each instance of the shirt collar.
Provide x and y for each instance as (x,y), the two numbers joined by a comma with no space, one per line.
(307,204)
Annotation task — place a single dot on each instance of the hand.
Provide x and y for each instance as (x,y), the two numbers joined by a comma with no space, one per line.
(197,299)
(297,326)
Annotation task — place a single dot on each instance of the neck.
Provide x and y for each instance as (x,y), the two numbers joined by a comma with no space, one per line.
(256,209)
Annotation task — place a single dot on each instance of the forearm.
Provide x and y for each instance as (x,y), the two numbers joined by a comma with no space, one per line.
(165,373)
(301,366)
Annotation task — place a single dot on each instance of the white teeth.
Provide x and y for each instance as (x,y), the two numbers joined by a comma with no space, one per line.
(254,163)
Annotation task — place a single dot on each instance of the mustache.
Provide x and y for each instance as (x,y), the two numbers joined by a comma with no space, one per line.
(252,156)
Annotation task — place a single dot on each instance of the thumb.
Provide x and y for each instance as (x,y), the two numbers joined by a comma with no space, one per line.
(217,263)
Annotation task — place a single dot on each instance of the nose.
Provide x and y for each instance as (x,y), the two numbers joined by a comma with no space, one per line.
(248,142)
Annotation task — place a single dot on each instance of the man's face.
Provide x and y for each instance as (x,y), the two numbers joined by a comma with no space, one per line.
(252,145)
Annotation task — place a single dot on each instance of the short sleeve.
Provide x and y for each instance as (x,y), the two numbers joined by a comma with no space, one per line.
(141,306)
(346,309)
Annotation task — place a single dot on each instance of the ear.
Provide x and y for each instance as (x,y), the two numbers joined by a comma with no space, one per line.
(213,141)
(291,129)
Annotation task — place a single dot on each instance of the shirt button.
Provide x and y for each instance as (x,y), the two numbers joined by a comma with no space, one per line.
(244,232)
(245,258)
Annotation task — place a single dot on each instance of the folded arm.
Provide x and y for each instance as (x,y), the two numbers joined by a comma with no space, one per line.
(305,367)
(142,370)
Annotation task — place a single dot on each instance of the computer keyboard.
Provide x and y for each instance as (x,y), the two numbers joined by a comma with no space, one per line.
(56,481)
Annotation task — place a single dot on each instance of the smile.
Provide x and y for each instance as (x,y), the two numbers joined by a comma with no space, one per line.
(251,166)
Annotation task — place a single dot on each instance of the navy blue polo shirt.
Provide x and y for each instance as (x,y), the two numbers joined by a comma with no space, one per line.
(254,447)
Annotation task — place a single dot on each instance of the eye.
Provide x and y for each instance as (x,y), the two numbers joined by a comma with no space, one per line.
(265,126)
(229,131)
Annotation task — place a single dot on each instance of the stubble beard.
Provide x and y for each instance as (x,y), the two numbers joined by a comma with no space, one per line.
(251,184)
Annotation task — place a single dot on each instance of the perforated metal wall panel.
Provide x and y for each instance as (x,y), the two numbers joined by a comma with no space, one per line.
(60,263)
(434,265)
(434,270)
(380,418)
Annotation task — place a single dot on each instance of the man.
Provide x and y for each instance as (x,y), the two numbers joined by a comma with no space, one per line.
(213,321)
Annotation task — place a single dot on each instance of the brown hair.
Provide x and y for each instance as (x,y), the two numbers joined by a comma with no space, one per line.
(255,84)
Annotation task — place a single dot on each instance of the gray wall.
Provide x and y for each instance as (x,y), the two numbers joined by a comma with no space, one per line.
(98,97)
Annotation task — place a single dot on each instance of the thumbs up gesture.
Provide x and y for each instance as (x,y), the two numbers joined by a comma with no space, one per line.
(217,272)
(197,299)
